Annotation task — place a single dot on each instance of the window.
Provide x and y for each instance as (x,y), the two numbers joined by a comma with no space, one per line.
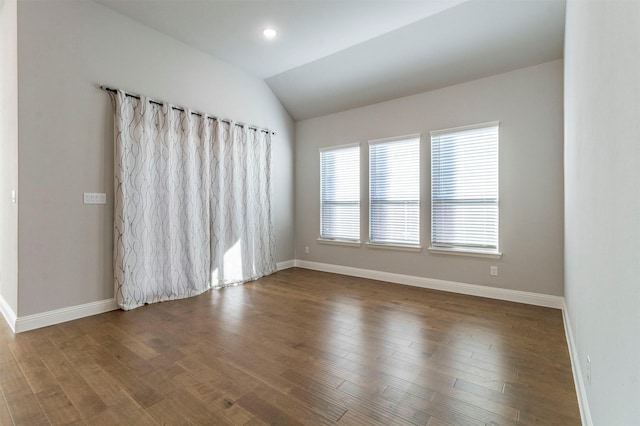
(464,189)
(340,193)
(394,191)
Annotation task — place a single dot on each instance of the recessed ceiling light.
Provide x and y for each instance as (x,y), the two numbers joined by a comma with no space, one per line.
(269,33)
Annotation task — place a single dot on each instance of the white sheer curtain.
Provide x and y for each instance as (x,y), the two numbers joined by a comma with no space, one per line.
(192,203)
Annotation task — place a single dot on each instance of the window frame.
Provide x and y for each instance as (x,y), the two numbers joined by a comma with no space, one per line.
(340,240)
(462,249)
(396,245)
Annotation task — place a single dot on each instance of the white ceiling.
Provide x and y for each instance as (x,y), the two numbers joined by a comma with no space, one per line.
(334,55)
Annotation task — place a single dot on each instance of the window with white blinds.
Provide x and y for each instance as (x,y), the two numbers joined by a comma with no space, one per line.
(394,191)
(340,193)
(464,188)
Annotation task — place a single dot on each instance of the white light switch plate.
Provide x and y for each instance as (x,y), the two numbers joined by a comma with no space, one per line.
(95,198)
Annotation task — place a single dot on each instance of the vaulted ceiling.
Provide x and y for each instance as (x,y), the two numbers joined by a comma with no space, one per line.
(330,56)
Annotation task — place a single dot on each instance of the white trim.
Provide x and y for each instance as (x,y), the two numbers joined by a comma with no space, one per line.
(460,252)
(339,242)
(8,314)
(396,139)
(581,392)
(392,246)
(463,128)
(44,319)
(536,299)
(285,264)
(331,148)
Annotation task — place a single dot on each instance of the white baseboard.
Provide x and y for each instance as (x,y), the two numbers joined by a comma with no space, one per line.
(537,299)
(581,392)
(8,314)
(285,264)
(44,319)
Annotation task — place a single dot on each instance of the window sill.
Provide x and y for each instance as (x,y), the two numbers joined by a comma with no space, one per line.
(400,247)
(467,252)
(347,243)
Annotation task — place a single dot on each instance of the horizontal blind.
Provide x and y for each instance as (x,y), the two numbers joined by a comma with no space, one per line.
(464,187)
(340,193)
(394,191)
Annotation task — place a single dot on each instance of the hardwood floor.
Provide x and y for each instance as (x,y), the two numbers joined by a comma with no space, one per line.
(297,347)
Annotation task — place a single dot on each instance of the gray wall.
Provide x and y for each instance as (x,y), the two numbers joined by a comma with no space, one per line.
(602,202)
(65,50)
(528,104)
(8,153)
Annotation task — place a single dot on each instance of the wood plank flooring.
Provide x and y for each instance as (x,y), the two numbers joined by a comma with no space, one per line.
(297,347)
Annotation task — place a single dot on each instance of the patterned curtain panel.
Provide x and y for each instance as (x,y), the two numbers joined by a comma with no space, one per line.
(177,185)
(242,235)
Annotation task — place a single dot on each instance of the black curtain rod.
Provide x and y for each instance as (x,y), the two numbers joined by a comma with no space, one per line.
(131,95)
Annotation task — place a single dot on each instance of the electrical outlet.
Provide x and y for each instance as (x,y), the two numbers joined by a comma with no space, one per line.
(493,271)
(588,370)
(306,249)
